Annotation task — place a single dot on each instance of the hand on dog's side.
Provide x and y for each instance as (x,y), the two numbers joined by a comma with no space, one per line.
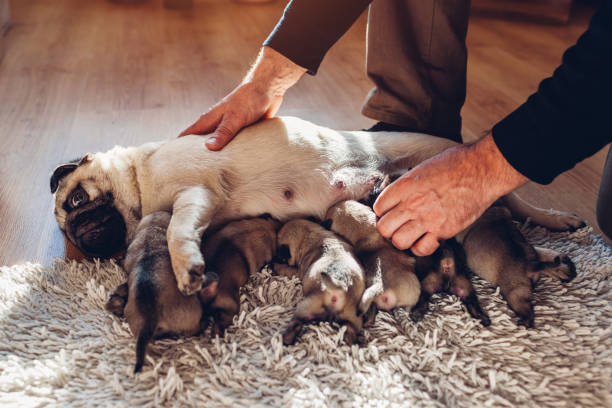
(444,195)
(258,96)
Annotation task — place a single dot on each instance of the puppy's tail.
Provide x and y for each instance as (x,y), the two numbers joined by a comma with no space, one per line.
(145,336)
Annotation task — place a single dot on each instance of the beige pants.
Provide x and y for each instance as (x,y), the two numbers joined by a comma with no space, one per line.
(417,59)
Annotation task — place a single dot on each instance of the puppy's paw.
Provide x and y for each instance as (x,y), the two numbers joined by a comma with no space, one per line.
(563,268)
(560,221)
(519,300)
(117,300)
(292,331)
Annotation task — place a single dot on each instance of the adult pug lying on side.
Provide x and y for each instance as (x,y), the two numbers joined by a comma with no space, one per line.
(286,167)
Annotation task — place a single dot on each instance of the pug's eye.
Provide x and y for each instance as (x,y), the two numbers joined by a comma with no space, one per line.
(78,198)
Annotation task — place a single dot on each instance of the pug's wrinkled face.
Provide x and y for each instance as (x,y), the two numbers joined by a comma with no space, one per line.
(85,207)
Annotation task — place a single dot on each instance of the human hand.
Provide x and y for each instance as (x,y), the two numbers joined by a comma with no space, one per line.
(258,96)
(444,195)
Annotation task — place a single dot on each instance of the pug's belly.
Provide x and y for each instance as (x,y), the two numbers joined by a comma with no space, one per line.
(298,196)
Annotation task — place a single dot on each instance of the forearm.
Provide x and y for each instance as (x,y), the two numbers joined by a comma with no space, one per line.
(308,28)
(486,165)
(273,73)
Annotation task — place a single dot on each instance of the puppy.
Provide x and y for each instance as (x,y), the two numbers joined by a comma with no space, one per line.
(154,307)
(238,250)
(332,278)
(446,271)
(497,251)
(390,278)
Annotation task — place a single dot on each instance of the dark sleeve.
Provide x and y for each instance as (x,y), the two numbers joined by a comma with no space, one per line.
(569,118)
(309,28)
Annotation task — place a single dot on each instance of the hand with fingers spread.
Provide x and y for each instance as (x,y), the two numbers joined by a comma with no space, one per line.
(258,96)
(444,195)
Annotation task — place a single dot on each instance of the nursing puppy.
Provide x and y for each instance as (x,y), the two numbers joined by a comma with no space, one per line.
(238,250)
(390,278)
(332,278)
(286,167)
(154,307)
(446,271)
(497,251)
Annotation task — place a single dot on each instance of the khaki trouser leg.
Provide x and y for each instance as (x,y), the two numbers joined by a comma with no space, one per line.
(417,58)
(604,198)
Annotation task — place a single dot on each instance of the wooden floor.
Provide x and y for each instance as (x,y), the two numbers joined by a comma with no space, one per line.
(83,76)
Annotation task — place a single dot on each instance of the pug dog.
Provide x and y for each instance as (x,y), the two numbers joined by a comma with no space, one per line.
(390,278)
(497,251)
(446,270)
(236,251)
(154,307)
(286,167)
(333,281)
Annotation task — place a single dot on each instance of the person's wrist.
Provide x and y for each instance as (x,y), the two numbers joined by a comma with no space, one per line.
(273,73)
(498,176)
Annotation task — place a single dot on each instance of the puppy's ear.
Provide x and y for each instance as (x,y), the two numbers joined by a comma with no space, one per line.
(327,224)
(59,173)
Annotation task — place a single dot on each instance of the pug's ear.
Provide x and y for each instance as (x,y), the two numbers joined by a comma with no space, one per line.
(65,169)
(59,173)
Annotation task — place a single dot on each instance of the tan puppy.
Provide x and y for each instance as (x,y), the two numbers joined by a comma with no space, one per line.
(497,251)
(332,278)
(238,250)
(446,271)
(154,307)
(390,278)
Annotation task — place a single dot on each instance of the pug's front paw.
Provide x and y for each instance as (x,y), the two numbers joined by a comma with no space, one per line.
(189,272)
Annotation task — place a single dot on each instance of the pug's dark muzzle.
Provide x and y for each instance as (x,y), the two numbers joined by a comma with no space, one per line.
(97,228)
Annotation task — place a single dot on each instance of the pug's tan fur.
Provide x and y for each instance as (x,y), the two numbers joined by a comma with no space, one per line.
(238,250)
(286,167)
(154,305)
(333,280)
(390,278)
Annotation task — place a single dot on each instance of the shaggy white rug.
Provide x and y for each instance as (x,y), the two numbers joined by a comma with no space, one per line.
(60,347)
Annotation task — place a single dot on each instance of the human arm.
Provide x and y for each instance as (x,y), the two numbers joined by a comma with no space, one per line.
(298,44)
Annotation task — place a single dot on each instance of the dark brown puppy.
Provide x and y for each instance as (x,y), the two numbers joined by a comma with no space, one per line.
(446,271)
(236,251)
(154,307)
(332,278)
(497,251)
(390,278)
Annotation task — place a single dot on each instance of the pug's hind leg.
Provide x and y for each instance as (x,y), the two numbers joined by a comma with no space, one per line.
(556,264)
(462,287)
(117,300)
(421,307)
(552,219)
(292,331)
(519,297)
(191,214)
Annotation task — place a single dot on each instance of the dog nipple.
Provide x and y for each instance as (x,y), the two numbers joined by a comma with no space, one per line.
(340,185)
(288,194)
(334,299)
